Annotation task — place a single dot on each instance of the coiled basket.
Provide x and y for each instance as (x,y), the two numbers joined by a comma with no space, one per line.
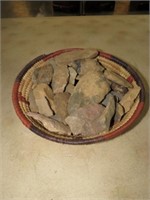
(23,84)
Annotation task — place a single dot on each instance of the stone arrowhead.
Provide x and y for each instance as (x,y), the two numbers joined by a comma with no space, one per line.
(60,78)
(68,57)
(51,124)
(106,99)
(128,99)
(114,77)
(119,110)
(43,96)
(43,74)
(119,113)
(87,65)
(72,75)
(104,120)
(76,65)
(61,102)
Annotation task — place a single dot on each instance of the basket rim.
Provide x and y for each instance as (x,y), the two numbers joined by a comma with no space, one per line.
(78,140)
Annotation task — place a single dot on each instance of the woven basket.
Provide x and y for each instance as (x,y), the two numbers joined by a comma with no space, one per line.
(23,84)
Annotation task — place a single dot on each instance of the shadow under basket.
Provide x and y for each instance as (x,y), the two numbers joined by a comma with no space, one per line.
(23,84)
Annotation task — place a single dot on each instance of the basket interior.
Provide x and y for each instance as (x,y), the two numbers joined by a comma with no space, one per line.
(26,85)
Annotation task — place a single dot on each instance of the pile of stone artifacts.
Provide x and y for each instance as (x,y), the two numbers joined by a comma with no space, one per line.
(73,94)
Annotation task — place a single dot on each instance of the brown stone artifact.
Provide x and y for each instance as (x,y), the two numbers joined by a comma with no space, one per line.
(112,76)
(68,57)
(104,120)
(119,112)
(81,121)
(43,97)
(91,88)
(128,99)
(72,75)
(51,124)
(61,102)
(43,74)
(87,65)
(60,78)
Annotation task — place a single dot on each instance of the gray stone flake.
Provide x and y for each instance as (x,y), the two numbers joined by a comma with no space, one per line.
(43,74)
(80,121)
(51,124)
(91,88)
(60,78)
